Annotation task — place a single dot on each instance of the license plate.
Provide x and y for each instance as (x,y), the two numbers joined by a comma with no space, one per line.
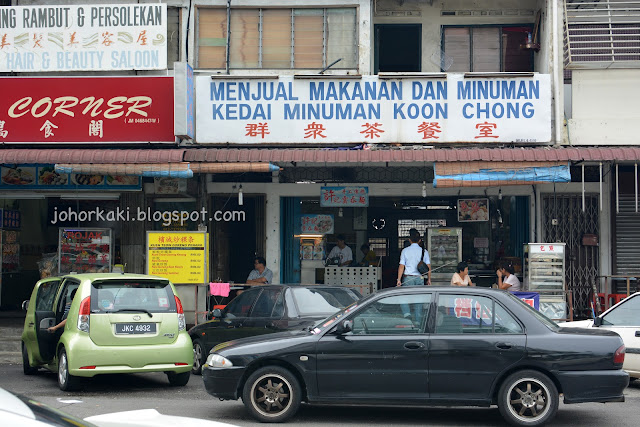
(135,328)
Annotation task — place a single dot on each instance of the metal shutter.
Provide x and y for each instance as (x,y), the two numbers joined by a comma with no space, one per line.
(627,244)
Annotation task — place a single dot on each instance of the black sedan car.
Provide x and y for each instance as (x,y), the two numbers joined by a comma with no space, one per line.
(268,309)
(421,346)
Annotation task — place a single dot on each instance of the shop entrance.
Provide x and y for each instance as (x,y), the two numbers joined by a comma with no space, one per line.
(398,48)
(583,264)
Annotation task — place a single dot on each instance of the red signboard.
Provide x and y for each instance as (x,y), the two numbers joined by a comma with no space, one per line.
(86,109)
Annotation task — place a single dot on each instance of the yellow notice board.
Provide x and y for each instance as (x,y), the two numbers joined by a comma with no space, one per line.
(178,256)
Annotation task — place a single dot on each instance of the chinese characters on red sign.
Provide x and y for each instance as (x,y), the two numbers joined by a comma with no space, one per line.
(316,224)
(344,196)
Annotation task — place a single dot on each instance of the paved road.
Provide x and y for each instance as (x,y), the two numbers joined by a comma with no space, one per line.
(111,393)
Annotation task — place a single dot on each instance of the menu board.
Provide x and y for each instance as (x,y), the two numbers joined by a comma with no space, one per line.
(84,250)
(10,251)
(180,257)
(44,177)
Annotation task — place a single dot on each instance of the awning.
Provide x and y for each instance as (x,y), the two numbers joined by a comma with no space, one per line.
(163,170)
(320,155)
(72,155)
(482,174)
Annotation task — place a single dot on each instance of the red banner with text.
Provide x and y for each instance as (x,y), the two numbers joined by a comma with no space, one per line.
(86,109)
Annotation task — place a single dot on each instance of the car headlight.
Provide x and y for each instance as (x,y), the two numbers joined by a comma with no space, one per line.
(217,361)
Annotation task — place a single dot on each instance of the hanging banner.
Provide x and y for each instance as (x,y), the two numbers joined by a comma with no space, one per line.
(373,109)
(483,174)
(86,109)
(531,298)
(104,37)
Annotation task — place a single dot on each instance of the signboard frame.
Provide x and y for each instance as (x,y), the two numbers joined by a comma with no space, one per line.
(205,272)
(61,230)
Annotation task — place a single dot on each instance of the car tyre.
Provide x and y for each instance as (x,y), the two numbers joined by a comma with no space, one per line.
(178,379)
(66,381)
(528,398)
(199,357)
(26,366)
(272,394)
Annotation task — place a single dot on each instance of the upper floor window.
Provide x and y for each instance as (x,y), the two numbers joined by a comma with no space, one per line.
(601,34)
(486,49)
(277,38)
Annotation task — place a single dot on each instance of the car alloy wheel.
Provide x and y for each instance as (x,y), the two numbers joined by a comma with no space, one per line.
(272,394)
(66,381)
(198,353)
(528,398)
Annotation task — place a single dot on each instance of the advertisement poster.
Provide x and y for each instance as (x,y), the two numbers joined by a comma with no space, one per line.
(100,37)
(86,109)
(44,177)
(473,210)
(84,250)
(180,257)
(316,224)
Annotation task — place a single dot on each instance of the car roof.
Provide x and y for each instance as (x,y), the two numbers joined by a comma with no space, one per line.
(112,276)
(475,290)
(10,403)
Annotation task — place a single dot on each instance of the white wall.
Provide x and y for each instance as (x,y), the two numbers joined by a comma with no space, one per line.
(605,107)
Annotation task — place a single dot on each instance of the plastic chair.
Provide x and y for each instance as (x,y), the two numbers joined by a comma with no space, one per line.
(615,298)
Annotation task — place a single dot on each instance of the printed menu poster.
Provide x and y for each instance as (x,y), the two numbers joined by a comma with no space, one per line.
(84,250)
(180,257)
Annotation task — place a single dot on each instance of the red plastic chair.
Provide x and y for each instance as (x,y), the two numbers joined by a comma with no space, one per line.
(615,298)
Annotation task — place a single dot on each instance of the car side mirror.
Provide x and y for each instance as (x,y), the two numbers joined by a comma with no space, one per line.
(216,313)
(25,305)
(597,321)
(344,327)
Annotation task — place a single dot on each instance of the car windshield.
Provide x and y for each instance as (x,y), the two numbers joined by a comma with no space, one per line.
(626,314)
(541,317)
(321,302)
(154,296)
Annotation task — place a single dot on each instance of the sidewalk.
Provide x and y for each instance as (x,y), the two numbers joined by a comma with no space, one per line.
(11,325)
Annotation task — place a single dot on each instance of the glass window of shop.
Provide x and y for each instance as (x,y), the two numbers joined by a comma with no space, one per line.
(30,237)
(492,230)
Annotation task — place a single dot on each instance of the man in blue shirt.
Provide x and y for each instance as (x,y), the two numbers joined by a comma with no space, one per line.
(408,274)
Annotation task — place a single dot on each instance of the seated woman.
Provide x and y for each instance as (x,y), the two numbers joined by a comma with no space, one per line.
(461,276)
(507,279)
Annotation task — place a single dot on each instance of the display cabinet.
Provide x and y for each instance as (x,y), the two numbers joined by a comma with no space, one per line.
(445,249)
(545,274)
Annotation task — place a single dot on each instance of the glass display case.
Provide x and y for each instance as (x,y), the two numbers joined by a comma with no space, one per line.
(445,249)
(545,274)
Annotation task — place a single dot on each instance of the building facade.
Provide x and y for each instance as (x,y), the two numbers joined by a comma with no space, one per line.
(379,116)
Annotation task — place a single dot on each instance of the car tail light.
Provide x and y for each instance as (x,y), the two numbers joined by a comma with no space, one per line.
(83,314)
(88,367)
(618,357)
(181,323)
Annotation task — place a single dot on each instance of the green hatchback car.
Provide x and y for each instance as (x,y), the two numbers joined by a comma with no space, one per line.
(115,323)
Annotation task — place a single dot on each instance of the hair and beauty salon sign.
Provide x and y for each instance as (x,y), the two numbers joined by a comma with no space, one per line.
(100,37)
(371,109)
(86,109)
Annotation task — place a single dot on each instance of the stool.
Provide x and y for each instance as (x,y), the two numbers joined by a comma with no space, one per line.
(220,306)
(615,298)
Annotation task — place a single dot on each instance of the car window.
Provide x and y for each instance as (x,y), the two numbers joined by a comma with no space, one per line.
(626,314)
(505,323)
(322,301)
(64,303)
(241,304)
(266,303)
(155,296)
(464,314)
(46,295)
(538,315)
(395,315)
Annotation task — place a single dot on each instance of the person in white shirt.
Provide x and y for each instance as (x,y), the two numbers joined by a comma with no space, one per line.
(507,279)
(408,274)
(461,277)
(341,251)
